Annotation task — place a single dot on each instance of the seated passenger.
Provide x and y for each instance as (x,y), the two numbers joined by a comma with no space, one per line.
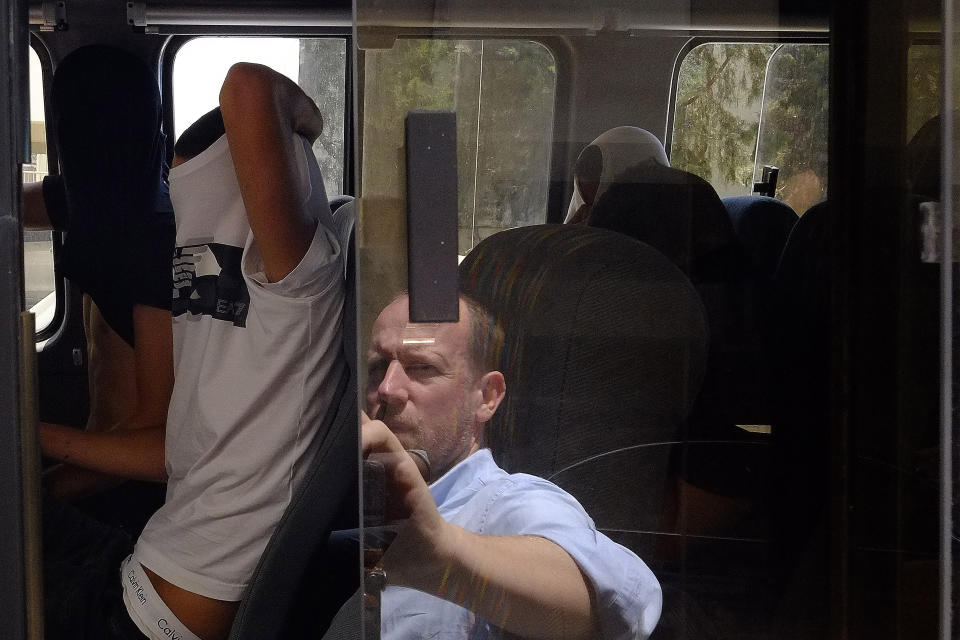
(257,308)
(600,162)
(112,201)
(482,553)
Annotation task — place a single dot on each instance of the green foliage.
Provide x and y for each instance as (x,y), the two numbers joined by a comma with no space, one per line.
(795,122)
(923,85)
(715,123)
(502,92)
(746,105)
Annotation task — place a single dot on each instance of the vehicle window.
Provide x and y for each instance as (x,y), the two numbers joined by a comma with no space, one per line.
(923,87)
(740,106)
(502,92)
(318,65)
(793,123)
(39,281)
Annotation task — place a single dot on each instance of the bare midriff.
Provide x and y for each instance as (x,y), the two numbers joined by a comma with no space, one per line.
(208,618)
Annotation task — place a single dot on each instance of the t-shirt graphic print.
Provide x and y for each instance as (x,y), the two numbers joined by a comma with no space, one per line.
(207,281)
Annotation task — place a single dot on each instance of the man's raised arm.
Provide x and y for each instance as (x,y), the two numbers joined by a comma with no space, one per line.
(526,585)
(262,110)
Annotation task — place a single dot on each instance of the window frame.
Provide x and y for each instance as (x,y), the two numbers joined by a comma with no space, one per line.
(560,164)
(173,45)
(696,41)
(44,336)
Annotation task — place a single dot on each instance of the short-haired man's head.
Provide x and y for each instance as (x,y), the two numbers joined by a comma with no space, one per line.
(206,130)
(486,337)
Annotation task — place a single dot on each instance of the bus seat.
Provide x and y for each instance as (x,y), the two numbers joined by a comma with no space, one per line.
(923,157)
(800,489)
(601,161)
(282,584)
(676,212)
(338,201)
(680,214)
(604,353)
(762,224)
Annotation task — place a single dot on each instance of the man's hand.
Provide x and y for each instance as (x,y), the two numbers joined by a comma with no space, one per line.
(424,536)
(524,584)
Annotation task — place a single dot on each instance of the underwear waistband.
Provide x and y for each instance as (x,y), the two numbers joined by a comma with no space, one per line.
(147,610)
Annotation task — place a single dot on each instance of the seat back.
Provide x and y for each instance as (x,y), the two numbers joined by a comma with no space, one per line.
(681,215)
(762,225)
(327,492)
(604,353)
(677,213)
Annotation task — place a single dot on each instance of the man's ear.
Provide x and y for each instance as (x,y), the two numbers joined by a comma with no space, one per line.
(492,389)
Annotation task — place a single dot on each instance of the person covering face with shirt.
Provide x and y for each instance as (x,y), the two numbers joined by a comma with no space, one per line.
(481,553)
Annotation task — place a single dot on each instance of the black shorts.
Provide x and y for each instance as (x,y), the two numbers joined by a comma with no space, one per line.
(83,594)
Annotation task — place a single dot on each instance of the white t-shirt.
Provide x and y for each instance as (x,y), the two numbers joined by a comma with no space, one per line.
(256,364)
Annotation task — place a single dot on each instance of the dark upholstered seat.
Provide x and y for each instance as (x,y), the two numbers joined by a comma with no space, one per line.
(284,600)
(604,354)
(762,225)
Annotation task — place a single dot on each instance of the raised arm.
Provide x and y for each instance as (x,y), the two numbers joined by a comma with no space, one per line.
(526,585)
(262,110)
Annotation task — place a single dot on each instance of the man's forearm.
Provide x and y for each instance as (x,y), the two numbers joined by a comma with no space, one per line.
(129,453)
(526,585)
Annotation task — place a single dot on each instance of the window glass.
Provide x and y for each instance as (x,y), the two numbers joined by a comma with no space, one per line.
(717,116)
(782,452)
(318,65)
(923,85)
(793,124)
(39,280)
(745,105)
(502,92)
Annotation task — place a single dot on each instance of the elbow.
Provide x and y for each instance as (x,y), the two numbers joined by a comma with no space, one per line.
(245,85)
(159,475)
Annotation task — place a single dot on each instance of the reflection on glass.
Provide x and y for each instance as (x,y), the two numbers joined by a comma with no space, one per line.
(502,92)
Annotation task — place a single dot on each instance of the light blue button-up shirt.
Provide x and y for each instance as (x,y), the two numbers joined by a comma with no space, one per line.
(483,498)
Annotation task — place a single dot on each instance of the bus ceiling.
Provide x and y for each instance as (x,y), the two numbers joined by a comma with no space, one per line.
(502,15)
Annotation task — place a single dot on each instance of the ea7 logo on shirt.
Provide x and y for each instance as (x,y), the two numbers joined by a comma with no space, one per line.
(207,281)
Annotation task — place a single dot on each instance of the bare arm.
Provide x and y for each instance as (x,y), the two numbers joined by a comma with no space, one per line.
(262,110)
(135,447)
(526,585)
(134,451)
(35,216)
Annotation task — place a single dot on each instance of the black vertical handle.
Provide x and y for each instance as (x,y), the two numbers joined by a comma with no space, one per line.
(432,215)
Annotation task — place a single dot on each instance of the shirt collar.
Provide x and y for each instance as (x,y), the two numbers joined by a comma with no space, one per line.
(466,477)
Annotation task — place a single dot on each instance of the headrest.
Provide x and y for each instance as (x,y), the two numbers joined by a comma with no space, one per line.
(338,201)
(677,213)
(605,343)
(599,163)
(763,225)
(923,157)
(803,262)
